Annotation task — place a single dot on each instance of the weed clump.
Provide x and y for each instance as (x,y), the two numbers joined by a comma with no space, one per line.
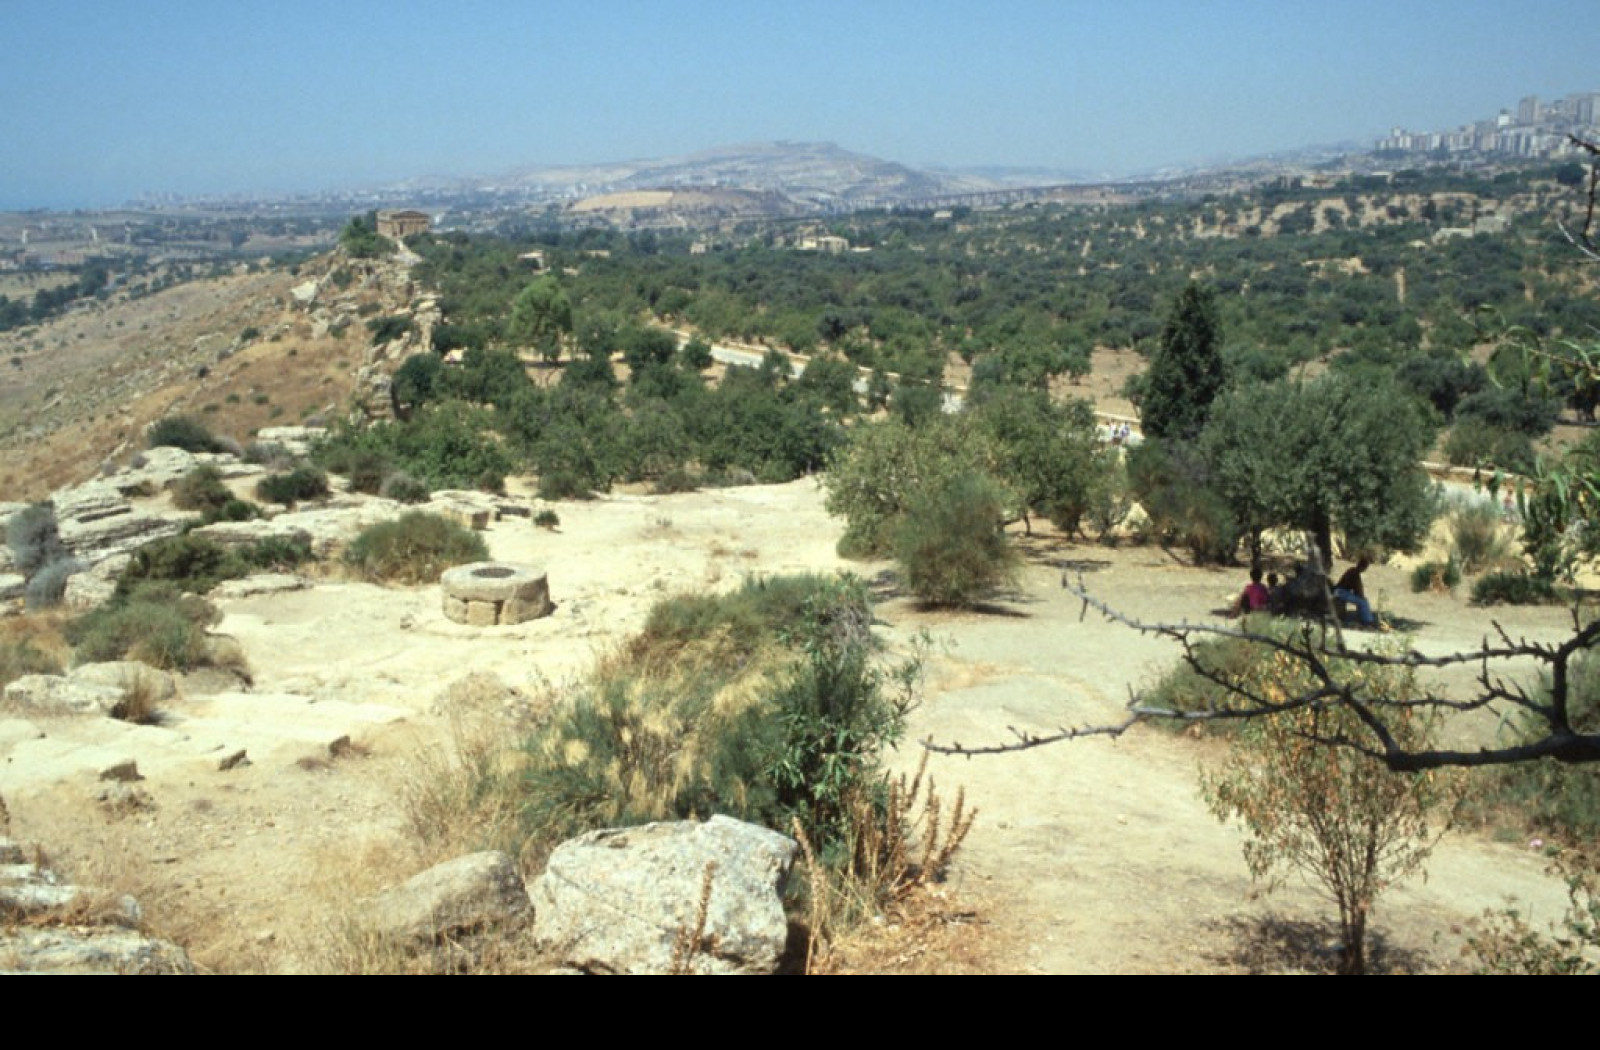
(416,547)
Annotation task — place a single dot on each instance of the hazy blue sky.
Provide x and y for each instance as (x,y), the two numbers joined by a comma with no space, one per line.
(100,101)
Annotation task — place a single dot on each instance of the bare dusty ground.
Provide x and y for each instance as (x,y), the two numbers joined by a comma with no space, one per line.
(1092,856)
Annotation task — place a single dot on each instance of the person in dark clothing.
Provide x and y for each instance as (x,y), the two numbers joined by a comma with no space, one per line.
(1350,589)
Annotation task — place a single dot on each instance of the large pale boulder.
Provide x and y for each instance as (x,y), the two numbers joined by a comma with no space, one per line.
(467,895)
(624,900)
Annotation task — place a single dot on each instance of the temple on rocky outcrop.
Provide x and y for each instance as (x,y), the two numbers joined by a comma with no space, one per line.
(398,224)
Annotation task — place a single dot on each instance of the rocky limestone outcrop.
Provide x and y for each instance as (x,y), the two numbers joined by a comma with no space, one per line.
(621,901)
(71,930)
(92,689)
(97,521)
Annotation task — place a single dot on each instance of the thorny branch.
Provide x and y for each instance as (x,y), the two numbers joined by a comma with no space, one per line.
(1554,737)
(1584,241)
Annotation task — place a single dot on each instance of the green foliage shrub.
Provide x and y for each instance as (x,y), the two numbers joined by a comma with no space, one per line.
(153,622)
(870,479)
(360,240)
(197,564)
(1479,445)
(301,483)
(1173,485)
(950,543)
(403,488)
(183,432)
(767,704)
(547,519)
(202,489)
(1513,588)
(414,548)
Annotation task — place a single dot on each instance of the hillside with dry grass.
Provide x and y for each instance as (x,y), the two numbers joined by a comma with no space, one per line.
(239,352)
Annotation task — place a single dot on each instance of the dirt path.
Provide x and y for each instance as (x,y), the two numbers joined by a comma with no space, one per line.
(1092,856)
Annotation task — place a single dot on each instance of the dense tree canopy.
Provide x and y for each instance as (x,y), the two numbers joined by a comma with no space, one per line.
(1338,452)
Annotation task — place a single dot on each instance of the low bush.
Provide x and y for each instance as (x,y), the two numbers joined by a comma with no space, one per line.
(301,483)
(202,489)
(1513,588)
(183,432)
(1437,576)
(403,488)
(197,564)
(547,519)
(563,485)
(153,622)
(416,547)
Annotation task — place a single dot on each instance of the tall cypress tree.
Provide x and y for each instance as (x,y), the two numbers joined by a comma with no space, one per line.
(1186,374)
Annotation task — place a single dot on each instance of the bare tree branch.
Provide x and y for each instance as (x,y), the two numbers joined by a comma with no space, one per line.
(1331,684)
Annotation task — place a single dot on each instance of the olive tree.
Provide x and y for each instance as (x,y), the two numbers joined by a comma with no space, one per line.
(1332,453)
(541,316)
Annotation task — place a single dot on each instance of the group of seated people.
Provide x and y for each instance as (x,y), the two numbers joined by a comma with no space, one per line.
(1303,593)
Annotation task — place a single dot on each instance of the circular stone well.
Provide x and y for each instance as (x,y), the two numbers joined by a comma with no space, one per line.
(489,593)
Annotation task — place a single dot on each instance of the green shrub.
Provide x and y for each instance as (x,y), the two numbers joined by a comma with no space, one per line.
(1474,443)
(547,519)
(154,623)
(194,563)
(34,538)
(183,432)
(202,489)
(1438,576)
(1513,588)
(403,488)
(416,547)
(950,544)
(676,480)
(563,484)
(301,483)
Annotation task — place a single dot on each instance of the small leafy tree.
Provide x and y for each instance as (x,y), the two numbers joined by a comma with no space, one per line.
(541,316)
(950,544)
(1333,815)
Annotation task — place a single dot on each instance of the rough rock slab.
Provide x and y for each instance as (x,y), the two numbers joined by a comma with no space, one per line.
(156,469)
(617,901)
(50,694)
(89,950)
(469,894)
